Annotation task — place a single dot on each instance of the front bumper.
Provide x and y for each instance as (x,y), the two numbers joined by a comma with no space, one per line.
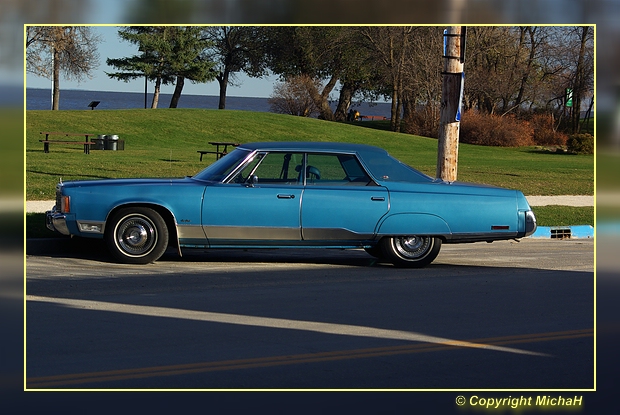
(56,221)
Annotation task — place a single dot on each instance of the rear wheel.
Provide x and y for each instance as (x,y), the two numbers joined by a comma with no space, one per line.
(412,251)
(137,235)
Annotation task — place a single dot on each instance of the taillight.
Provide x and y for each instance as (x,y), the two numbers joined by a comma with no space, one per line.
(65,204)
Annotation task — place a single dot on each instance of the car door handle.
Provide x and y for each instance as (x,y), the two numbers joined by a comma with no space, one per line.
(377,199)
(282,196)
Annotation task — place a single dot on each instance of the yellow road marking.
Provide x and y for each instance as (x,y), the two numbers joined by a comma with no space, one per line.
(46,382)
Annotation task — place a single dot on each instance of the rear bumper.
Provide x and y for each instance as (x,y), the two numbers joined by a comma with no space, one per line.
(530,223)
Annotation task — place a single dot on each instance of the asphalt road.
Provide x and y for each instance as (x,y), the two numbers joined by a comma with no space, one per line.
(507,315)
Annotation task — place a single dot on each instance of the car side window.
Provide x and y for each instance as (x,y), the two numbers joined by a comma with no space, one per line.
(335,170)
(272,168)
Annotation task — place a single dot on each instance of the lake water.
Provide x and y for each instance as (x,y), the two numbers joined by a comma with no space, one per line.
(40,99)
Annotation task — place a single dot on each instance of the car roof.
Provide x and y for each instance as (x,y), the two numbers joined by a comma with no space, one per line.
(313,146)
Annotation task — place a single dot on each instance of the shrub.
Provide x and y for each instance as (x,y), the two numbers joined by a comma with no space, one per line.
(493,130)
(292,97)
(424,121)
(544,133)
(580,144)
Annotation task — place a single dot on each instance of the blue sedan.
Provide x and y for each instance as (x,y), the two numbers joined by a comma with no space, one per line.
(292,195)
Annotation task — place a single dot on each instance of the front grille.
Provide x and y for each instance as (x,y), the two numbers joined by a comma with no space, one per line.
(58,196)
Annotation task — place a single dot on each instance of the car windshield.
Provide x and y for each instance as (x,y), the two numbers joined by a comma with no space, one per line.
(217,171)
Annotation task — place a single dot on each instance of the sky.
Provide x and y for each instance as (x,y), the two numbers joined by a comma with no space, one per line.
(112,46)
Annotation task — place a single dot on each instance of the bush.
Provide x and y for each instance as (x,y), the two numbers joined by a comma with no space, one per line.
(544,133)
(292,97)
(493,130)
(580,144)
(424,121)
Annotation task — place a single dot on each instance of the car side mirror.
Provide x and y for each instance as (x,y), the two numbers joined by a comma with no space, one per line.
(252,180)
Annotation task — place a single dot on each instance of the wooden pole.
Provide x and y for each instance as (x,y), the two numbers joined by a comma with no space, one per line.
(449,122)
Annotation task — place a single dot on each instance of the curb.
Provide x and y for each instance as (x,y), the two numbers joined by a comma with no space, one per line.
(564,232)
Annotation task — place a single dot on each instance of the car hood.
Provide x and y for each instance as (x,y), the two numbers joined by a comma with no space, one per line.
(124,182)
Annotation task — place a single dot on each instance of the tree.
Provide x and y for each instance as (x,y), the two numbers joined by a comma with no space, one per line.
(291,97)
(168,54)
(422,84)
(583,78)
(234,49)
(313,51)
(55,50)
(390,46)
(188,59)
(150,63)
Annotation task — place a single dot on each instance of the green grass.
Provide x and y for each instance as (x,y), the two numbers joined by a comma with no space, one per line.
(564,215)
(163,143)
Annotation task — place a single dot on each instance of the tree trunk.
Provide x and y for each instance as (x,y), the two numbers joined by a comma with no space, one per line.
(580,83)
(56,81)
(156,93)
(222,78)
(344,101)
(394,109)
(178,88)
(320,99)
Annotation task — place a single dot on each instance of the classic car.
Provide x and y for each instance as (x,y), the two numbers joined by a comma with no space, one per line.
(292,195)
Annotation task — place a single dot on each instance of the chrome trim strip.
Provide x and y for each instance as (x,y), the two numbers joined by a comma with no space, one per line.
(327,234)
(247,233)
(241,165)
(190,232)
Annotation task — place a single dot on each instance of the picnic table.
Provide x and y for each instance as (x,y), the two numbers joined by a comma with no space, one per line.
(218,154)
(46,143)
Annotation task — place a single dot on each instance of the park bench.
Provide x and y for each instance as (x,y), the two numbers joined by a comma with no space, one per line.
(46,143)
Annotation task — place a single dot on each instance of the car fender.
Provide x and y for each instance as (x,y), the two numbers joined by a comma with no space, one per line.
(413,224)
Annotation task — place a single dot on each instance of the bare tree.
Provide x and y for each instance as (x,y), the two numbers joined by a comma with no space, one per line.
(292,97)
(391,45)
(55,50)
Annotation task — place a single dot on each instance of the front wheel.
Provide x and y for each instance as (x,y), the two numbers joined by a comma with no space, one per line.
(411,251)
(137,235)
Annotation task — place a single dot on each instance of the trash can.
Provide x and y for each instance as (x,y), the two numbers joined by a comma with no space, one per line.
(99,143)
(111,142)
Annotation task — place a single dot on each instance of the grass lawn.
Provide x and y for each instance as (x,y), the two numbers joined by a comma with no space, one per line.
(164,143)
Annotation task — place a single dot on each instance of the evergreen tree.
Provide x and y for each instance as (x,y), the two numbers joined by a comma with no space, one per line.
(168,54)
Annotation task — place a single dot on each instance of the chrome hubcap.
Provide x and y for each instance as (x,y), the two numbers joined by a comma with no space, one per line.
(412,247)
(136,235)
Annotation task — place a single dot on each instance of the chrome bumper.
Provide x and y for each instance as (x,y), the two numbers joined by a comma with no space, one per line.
(56,221)
(530,223)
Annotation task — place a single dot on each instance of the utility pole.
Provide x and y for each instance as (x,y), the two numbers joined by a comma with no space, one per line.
(451,97)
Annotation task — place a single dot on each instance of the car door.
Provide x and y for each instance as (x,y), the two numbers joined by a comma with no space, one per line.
(260,206)
(340,201)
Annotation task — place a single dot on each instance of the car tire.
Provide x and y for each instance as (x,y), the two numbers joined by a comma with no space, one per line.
(411,251)
(137,235)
